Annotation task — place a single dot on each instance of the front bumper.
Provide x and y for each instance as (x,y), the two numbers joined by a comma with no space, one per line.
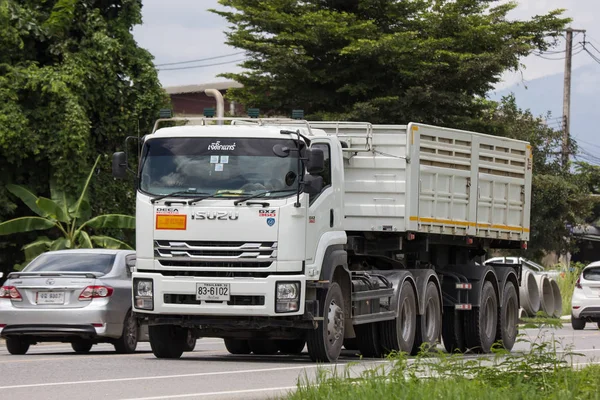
(48,322)
(168,289)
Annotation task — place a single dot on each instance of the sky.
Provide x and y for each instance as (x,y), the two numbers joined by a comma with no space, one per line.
(182,30)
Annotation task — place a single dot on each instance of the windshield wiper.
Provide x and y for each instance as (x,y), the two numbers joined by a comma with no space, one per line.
(216,194)
(261,194)
(174,194)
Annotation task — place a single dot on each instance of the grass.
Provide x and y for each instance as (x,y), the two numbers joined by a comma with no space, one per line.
(566,283)
(540,373)
(541,320)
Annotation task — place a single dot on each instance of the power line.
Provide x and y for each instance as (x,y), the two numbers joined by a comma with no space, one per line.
(541,55)
(201,66)
(200,59)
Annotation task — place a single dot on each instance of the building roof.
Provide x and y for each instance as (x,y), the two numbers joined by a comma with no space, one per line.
(202,87)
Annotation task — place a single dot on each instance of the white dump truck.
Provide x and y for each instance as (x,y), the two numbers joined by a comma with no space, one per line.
(274,234)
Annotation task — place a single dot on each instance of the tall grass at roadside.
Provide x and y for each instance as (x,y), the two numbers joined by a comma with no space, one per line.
(566,283)
(540,373)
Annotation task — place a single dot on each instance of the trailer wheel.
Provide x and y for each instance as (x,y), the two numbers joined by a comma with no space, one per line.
(429,324)
(291,347)
(481,322)
(237,346)
(367,340)
(399,333)
(264,347)
(453,335)
(509,317)
(167,341)
(325,342)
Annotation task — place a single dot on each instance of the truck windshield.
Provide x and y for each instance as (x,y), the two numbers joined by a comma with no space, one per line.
(235,167)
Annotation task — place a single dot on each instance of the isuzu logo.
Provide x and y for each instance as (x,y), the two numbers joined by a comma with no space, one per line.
(216,215)
(50,281)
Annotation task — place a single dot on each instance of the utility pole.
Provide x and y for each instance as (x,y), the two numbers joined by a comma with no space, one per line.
(567,96)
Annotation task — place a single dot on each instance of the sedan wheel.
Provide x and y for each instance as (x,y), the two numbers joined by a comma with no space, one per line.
(127,343)
(82,346)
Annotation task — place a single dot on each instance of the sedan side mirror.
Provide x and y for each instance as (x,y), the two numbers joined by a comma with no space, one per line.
(119,165)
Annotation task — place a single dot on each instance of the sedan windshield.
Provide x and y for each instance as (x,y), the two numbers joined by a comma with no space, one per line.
(228,167)
(72,262)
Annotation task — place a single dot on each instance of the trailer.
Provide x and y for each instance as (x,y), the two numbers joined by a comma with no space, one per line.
(276,233)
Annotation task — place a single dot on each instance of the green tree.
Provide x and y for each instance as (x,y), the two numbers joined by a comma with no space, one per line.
(73,84)
(379,60)
(70,218)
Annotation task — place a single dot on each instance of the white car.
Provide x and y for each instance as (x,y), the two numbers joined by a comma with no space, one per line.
(585,305)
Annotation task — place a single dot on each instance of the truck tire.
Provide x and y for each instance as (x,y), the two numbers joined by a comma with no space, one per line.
(81,346)
(237,346)
(481,322)
(167,341)
(128,341)
(453,333)
(577,324)
(264,347)
(16,346)
(508,317)
(367,340)
(291,347)
(429,325)
(190,341)
(399,333)
(325,342)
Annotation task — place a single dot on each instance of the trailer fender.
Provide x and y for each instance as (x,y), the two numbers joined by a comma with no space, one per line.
(397,279)
(476,275)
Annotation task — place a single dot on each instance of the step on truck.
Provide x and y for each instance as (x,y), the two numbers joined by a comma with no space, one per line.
(276,234)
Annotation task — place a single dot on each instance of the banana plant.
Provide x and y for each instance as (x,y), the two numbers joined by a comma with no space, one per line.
(72,218)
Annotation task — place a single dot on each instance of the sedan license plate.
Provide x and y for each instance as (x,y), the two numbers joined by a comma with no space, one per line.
(212,291)
(51,297)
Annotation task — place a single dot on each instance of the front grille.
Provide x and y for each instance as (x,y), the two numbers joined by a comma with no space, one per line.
(197,252)
(234,300)
(215,264)
(214,274)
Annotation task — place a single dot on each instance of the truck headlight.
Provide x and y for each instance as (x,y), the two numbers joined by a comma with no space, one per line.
(287,297)
(143,294)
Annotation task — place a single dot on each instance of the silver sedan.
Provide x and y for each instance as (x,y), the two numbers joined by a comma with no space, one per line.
(77,296)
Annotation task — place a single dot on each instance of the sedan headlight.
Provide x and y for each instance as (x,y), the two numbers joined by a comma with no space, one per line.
(143,294)
(287,297)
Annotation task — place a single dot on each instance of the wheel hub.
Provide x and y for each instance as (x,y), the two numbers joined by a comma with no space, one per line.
(335,322)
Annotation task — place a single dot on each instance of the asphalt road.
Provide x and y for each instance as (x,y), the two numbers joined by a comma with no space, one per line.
(54,371)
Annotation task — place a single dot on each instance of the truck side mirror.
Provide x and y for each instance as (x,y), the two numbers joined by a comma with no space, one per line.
(313,184)
(119,165)
(316,161)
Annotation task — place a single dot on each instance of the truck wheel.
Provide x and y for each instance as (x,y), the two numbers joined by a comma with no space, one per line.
(481,322)
(429,324)
(509,317)
(190,341)
(367,339)
(167,341)
(127,343)
(292,347)
(399,333)
(453,335)
(237,346)
(325,342)
(265,347)
(577,324)
(16,345)
(82,346)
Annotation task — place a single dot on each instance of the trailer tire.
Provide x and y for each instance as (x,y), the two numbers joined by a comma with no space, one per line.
(167,341)
(508,317)
(237,346)
(367,340)
(429,325)
(264,347)
(291,347)
(481,322)
(453,334)
(399,333)
(325,342)
(350,344)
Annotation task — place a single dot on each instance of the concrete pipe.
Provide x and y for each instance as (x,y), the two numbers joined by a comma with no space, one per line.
(546,295)
(557,298)
(529,293)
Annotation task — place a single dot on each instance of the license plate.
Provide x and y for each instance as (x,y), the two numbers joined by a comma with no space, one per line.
(51,297)
(212,291)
